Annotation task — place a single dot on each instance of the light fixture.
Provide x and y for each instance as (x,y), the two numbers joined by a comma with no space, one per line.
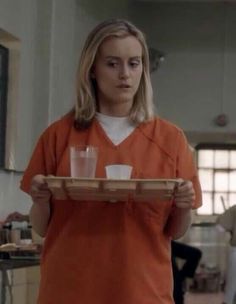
(222,120)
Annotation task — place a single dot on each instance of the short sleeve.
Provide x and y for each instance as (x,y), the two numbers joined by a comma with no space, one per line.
(186,167)
(43,160)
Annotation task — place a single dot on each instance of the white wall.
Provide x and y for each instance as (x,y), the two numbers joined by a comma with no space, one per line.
(19,19)
(68,37)
(51,35)
(196,82)
(190,87)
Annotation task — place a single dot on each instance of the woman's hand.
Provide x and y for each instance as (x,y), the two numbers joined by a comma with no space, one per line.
(40,210)
(184,195)
(39,190)
(180,217)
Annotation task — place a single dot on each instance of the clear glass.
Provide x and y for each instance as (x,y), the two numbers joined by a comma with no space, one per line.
(205,159)
(217,172)
(83,161)
(206,179)
(232,159)
(221,159)
(221,181)
(206,207)
(232,199)
(232,181)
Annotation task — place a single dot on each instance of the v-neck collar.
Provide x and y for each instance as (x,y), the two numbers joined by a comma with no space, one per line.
(109,141)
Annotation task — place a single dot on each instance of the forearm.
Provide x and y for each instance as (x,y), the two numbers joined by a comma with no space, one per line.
(39,217)
(178,222)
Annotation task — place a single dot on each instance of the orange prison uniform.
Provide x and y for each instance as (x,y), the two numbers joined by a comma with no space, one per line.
(102,252)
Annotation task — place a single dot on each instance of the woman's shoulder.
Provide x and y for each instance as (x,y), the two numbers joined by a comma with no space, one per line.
(168,136)
(161,128)
(66,120)
(167,126)
(61,125)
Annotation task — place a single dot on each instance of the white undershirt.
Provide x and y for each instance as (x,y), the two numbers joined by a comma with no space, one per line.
(116,128)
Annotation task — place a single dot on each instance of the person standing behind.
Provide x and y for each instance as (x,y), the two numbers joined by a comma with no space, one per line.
(101,252)
(16,217)
(227,220)
(191,257)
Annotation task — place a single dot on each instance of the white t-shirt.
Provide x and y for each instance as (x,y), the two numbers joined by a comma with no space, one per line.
(116,128)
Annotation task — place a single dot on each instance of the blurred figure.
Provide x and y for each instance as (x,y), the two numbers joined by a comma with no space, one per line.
(16,217)
(227,221)
(15,228)
(191,256)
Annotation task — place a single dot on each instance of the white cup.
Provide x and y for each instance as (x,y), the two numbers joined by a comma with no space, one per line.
(118,171)
(83,161)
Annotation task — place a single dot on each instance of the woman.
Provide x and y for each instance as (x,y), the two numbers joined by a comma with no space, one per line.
(227,221)
(102,252)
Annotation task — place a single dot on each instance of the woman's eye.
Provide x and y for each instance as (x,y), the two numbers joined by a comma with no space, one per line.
(134,64)
(112,64)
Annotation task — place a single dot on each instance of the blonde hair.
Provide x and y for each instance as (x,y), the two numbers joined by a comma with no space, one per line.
(86,103)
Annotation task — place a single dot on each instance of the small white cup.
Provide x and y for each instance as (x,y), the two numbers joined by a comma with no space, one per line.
(83,161)
(118,171)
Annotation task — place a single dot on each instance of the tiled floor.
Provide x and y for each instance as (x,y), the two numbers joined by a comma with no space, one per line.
(203,298)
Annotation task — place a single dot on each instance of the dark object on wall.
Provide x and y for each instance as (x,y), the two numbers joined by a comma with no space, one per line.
(4,55)
(155,57)
(222,120)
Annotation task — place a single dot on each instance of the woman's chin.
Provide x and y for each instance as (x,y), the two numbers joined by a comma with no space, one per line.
(125,98)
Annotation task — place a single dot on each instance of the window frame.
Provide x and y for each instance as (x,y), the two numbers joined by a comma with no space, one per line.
(216,147)
(4,62)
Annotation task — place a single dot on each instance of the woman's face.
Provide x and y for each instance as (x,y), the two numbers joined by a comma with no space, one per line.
(117,70)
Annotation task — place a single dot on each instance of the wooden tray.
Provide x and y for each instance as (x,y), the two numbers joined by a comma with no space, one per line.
(12,247)
(102,189)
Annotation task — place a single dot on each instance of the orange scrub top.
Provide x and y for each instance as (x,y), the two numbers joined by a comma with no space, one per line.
(102,252)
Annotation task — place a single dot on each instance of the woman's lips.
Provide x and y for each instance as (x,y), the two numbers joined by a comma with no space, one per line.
(124,86)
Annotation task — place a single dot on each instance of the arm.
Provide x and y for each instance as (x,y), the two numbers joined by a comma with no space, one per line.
(40,210)
(45,158)
(188,194)
(180,217)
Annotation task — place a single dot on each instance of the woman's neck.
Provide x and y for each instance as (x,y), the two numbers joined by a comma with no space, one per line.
(119,108)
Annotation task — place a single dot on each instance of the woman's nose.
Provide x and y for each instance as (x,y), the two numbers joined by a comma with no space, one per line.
(124,71)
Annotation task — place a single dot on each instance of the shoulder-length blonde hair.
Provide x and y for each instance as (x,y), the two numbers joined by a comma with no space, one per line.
(86,103)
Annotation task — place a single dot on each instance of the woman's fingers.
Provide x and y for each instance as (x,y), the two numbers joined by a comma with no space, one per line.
(184,195)
(39,190)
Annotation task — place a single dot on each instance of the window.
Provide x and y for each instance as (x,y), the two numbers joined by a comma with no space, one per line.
(217,173)
(3,100)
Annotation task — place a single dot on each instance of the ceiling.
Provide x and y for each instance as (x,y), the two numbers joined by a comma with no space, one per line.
(195,1)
